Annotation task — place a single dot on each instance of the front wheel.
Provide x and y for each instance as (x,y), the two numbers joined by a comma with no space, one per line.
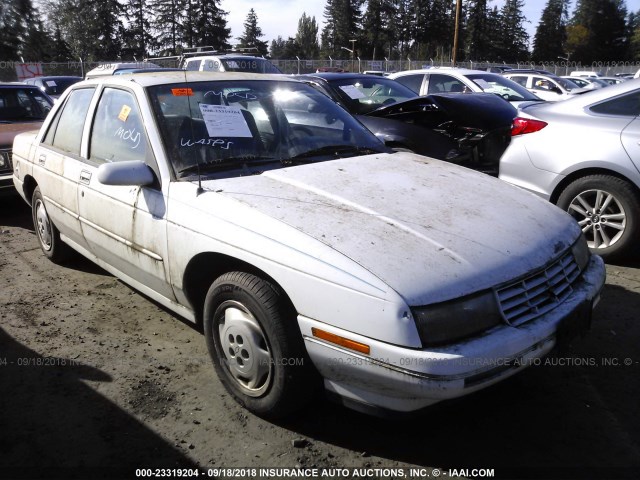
(607,209)
(256,346)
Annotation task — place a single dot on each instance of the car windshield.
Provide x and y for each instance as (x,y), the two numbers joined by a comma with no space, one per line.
(55,86)
(249,64)
(364,95)
(567,84)
(244,127)
(507,89)
(23,105)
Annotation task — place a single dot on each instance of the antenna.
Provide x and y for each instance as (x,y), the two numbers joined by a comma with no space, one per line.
(200,152)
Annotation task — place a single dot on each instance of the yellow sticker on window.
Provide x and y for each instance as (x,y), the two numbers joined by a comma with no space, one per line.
(124,112)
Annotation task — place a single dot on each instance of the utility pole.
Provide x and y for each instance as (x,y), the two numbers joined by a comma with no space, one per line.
(455,34)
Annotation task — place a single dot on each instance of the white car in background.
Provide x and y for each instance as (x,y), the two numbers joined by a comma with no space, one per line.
(460,80)
(547,87)
(308,252)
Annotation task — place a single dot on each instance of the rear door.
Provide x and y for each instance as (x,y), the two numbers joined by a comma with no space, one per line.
(58,163)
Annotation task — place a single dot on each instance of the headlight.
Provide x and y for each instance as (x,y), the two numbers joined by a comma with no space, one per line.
(453,320)
(5,159)
(581,252)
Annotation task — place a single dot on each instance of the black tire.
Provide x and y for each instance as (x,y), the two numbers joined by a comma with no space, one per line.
(256,346)
(611,231)
(46,232)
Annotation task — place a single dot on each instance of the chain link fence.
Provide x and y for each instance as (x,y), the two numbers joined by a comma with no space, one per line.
(11,71)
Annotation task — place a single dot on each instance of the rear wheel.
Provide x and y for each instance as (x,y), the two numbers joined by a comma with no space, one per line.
(46,232)
(607,209)
(256,346)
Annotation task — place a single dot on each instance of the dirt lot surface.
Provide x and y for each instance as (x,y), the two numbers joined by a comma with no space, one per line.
(98,381)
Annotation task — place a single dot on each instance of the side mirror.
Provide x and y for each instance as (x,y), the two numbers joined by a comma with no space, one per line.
(130,173)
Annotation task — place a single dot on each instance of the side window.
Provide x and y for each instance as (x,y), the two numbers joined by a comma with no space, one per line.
(626,105)
(65,131)
(439,83)
(414,82)
(520,80)
(193,65)
(117,134)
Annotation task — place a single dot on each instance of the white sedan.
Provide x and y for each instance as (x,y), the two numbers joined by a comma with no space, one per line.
(310,254)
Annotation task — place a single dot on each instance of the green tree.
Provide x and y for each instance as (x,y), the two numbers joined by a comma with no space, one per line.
(514,39)
(477,37)
(209,24)
(168,17)
(551,34)
(342,21)
(633,29)
(284,49)
(252,34)
(597,31)
(307,37)
(137,38)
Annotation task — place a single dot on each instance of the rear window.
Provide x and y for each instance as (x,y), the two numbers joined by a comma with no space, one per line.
(625,105)
(23,104)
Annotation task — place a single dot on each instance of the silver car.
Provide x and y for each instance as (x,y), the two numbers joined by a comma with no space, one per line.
(583,155)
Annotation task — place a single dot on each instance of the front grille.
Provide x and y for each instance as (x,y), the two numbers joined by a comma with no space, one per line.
(5,160)
(539,293)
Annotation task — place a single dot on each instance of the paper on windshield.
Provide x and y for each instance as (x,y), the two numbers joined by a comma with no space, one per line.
(50,83)
(483,84)
(224,121)
(352,91)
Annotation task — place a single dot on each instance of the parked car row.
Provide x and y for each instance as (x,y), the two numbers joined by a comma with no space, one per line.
(312,255)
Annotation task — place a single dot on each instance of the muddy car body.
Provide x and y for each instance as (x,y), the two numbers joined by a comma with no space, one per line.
(255,206)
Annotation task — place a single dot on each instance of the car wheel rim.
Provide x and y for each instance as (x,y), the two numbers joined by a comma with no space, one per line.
(43,225)
(245,348)
(601,217)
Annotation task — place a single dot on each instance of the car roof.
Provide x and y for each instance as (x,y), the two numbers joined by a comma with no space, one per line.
(182,76)
(342,76)
(450,70)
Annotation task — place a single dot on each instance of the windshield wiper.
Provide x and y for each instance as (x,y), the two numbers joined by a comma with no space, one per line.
(336,150)
(231,163)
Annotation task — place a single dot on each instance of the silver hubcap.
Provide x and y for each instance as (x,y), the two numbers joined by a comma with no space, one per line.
(43,226)
(601,217)
(245,348)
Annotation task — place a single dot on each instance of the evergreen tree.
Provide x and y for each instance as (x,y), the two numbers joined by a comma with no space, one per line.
(138,41)
(551,34)
(514,39)
(210,25)
(378,27)
(168,17)
(252,34)
(633,28)
(307,37)
(597,31)
(342,19)
(477,33)
(284,49)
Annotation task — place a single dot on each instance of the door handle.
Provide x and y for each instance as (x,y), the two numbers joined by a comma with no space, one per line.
(42,159)
(85,177)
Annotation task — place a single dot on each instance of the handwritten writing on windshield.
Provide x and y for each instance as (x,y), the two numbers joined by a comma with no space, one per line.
(130,135)
(212,142)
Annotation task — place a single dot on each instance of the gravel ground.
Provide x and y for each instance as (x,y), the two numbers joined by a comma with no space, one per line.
(98,381)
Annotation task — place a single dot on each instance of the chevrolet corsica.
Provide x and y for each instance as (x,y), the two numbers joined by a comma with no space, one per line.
(310,254)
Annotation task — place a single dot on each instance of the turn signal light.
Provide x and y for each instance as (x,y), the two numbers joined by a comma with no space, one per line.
(520,126)
(342,341)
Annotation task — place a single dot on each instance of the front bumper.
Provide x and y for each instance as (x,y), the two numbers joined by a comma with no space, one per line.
(402,379)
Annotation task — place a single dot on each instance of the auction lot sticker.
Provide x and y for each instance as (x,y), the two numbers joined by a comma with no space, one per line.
(224,121)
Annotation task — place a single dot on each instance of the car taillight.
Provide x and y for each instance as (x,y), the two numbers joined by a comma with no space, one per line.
(520,126)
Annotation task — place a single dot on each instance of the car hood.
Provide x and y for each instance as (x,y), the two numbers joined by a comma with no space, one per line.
(430,230)
(9,130)
(483,111)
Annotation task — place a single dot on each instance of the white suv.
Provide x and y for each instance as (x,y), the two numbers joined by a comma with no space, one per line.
(460,80)
(230,63)
(547,87)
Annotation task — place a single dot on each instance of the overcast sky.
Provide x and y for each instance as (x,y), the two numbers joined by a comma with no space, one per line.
(280,17)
